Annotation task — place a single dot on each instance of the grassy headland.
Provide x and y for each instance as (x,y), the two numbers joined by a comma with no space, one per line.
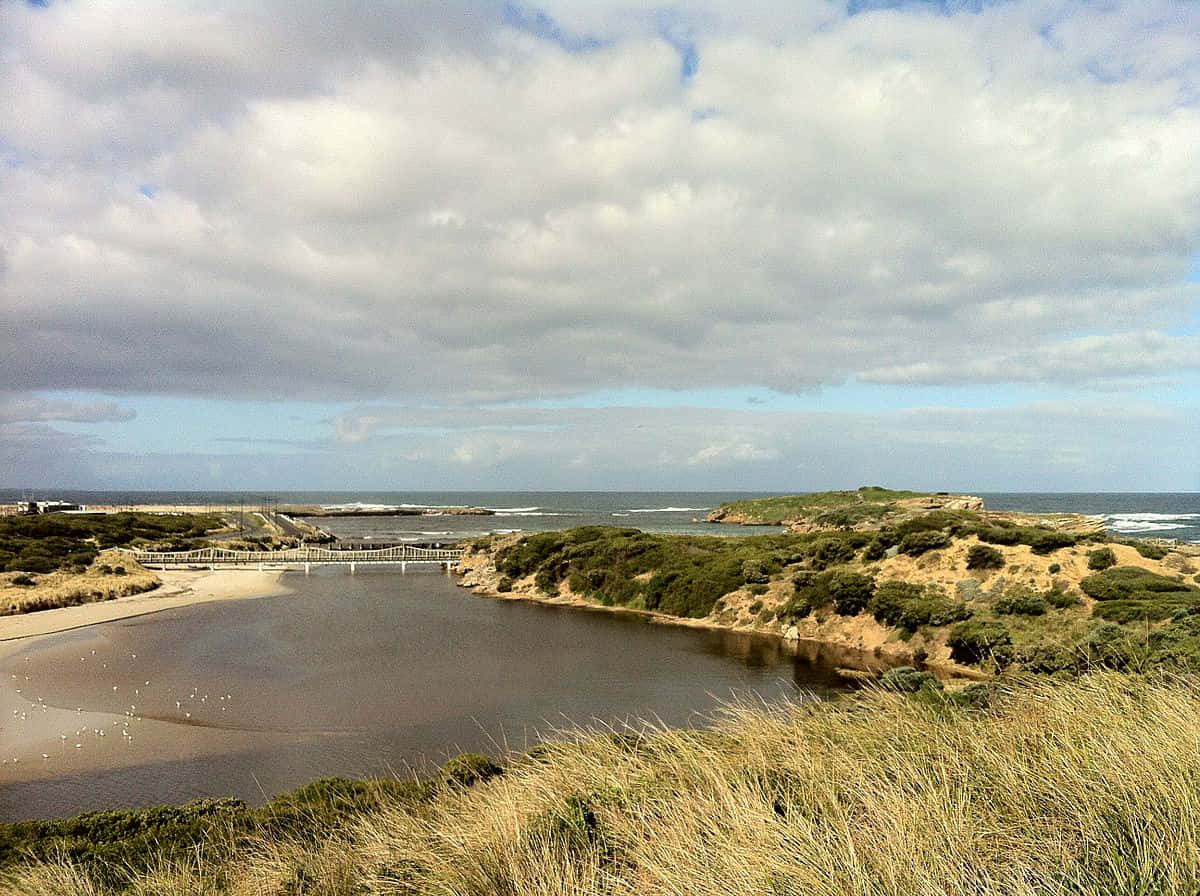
(953,588)
(869,505)
(1082,788)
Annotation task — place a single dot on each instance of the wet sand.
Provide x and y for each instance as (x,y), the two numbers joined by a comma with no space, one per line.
(41,739)
(179,588)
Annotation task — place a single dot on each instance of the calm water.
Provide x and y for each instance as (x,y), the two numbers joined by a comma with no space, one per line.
(354,675)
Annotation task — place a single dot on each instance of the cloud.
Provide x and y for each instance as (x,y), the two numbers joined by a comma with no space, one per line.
(1050,446)
(444,204)
(23,409)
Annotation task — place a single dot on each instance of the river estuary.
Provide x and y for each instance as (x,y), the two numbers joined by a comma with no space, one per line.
(375,673)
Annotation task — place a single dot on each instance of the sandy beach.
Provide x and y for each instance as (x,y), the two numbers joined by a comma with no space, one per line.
(39,738)
(179,588)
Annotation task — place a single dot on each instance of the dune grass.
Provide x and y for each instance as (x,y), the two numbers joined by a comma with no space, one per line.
(1089,787)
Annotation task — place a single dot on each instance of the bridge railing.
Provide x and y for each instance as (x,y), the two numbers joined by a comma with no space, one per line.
(307,555)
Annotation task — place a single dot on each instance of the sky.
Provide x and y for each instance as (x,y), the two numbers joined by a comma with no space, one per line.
(768,246)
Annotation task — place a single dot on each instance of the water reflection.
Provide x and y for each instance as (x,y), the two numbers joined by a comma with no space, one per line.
(369,674)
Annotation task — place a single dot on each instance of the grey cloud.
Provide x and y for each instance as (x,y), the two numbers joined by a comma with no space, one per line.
(1097,362)
(364,203)
(30,409)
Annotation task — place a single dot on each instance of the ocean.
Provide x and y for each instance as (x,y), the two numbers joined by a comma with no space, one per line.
(1147,514)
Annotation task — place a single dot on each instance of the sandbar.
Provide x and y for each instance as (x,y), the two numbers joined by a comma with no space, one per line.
(39,739)
(179,588)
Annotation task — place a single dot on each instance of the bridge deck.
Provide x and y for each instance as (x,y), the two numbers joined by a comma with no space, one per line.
(400,555)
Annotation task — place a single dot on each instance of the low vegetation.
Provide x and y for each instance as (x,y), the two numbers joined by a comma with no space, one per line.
(943,586)
(45,543)
(834,509)
(117,850)
(1084,788)
(111,575)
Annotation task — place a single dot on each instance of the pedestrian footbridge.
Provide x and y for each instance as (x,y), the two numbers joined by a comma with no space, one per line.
(297,558)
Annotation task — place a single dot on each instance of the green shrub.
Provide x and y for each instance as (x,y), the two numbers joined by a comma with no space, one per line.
(681,575)
(1060,600)
(1020,604)
(918,543)
(1101,559)
(1111,646)
(982,556)
(468,769)
(755,572)
(974,641)
(505,585)
(1049,659)
(890,599)
(756,607)
(1054,569)
(1040,538)
(31,562)
(798,607)
(759,589)
(908,680)
(1142,610)
(24,580)
(1047,541)
(1131,583)
(875,550)
(850,591)
(908,607)
(1149,550)
(828,551)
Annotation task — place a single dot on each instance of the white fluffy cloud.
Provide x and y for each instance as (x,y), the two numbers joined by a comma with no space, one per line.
(458,208)
(428,201)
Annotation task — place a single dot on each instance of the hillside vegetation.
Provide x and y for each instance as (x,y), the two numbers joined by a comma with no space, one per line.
(1084,788)
(952,588)
(44,543)
(60,560)
(869,504)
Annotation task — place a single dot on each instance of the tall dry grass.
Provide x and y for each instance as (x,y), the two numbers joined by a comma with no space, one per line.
(1091,787)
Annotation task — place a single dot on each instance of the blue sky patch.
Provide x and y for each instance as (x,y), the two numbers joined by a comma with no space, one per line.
(944,7)
(681,38)
(541,24)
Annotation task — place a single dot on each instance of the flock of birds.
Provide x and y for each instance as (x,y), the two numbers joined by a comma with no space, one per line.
(76,739)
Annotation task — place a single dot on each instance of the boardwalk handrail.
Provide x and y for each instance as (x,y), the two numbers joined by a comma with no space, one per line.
(307,555)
